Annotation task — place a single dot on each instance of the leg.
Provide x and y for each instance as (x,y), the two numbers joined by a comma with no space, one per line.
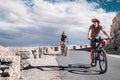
(92,55)
(92,51)
(61,47)
(104,43)
(92,43)
(66,48)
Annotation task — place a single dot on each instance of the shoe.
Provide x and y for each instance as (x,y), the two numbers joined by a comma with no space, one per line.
(92,64)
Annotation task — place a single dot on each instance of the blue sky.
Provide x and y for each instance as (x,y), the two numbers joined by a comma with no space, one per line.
(108,5)
(26,23)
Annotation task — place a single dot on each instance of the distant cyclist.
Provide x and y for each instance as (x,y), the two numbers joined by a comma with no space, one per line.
(93,32)
(63,39)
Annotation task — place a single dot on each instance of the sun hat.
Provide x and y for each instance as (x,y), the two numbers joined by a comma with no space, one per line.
(95,20)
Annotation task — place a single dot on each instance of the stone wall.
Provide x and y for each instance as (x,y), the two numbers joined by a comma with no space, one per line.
(26,58)
(114,44)
(9,67)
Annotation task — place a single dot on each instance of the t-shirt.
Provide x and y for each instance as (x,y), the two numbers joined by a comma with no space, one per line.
(95,30)
(63,37)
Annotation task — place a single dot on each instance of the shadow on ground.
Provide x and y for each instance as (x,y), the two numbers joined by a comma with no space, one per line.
(72,68)
(52,54)
(83,49)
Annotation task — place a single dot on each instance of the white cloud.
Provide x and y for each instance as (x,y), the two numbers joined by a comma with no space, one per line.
(109,0)
(118,1)
(45,21)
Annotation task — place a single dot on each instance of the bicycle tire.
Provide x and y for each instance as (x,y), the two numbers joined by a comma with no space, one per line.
(62,49)
(103,60)
(95,60)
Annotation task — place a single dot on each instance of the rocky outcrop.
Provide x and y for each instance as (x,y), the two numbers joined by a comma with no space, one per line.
(114,44)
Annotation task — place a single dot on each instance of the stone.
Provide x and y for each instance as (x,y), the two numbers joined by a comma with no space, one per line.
(74,47)
(26,58)
(114,44)
(56,48)
(10,66)
(37,53)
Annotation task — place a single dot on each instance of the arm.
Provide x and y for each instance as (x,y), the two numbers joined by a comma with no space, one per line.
(103,30)
(60,39)
(89,34)
(67,39)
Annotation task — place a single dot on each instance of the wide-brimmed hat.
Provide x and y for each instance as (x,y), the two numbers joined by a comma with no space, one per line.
(95,20)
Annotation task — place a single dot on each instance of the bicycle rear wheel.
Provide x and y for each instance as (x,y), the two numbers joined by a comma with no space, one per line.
(62,49)
(103,61)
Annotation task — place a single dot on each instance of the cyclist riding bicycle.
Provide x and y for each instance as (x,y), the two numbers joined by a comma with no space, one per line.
(63,38)
(93,32)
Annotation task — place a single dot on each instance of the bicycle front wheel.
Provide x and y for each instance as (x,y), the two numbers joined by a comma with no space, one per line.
(66,49)
(62,49)
(103,61)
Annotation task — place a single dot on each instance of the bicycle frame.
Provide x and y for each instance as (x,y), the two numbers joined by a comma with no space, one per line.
(97,51)
(100,55)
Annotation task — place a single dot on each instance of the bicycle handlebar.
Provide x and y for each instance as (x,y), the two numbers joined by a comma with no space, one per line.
(99,38)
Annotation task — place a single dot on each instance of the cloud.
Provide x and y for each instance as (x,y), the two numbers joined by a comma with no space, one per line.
(42,23)
(109,0)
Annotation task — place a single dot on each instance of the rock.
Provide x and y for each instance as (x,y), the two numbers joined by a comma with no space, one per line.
(37,53)
(114,44)
(10,67)
(26,58)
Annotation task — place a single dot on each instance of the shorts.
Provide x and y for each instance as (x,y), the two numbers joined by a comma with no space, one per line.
(93,43)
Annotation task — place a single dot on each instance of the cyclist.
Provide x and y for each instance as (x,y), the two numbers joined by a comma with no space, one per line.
(63,38)
(93,32)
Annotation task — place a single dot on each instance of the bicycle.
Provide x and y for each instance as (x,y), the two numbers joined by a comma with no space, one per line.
(64,48)
(100,54)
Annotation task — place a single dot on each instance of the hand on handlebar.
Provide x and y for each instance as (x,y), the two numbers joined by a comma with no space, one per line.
(109,37)
(89,38)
